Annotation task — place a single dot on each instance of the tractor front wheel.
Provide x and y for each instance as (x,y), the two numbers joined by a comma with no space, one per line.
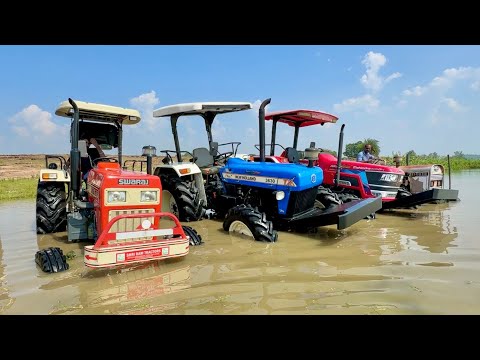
(347,197)
(248,221)
(327,197)
(51,260)
(51,207)
(195,239)
(182,199)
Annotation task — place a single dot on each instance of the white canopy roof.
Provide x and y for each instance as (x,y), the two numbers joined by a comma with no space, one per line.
(99,112)
(201,108)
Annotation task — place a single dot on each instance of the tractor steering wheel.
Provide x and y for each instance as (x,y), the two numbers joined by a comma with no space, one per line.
(167,159)
(223,157)
(377,161)
(105,159)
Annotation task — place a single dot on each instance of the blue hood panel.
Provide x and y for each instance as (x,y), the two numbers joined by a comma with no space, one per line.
(291,177)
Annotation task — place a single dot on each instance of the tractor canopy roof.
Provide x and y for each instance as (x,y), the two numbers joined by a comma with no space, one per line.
(200,108)
(302,118)
(99,112)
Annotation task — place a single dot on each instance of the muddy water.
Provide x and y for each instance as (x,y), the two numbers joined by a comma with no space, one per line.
(425,261)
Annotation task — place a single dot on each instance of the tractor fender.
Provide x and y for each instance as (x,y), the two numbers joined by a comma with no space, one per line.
(54,175)
(180,168)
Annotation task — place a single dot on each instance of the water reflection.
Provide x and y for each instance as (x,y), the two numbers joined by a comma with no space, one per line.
(5,300)
(428,229)
(130,290)
(412,262)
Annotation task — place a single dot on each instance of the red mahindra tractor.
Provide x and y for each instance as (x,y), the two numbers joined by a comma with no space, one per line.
(118,210)
(353,179)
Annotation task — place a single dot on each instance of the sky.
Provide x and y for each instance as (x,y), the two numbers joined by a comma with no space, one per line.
(424,98)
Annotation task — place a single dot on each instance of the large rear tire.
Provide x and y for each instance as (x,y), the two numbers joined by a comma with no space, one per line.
(248,221)
(327,197)
(182,199)
(51,207)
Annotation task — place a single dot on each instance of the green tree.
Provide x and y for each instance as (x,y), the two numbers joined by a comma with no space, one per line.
(411,153)
(351,150)
(459,154)
(375,146)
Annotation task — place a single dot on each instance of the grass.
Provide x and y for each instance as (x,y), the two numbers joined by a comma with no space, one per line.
(456,163)
(16,189)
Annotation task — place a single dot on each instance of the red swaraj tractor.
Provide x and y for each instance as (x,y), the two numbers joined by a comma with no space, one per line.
(354,179)
(118,210)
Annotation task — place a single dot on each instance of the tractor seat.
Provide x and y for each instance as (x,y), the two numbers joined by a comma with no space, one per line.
(292,155)
(204,159)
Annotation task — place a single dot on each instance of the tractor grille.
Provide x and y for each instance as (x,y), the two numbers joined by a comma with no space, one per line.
(128,224)
(301,201)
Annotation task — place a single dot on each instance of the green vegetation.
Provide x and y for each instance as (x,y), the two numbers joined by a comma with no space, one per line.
(352,150)
(14,189)
(456,163)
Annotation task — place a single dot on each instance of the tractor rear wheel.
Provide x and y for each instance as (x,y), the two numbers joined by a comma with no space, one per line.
(195,239)
(51,207)
(327,197)
(248,221)
(182,199)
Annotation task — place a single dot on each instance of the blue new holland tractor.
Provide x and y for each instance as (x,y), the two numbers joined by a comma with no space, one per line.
(259,198)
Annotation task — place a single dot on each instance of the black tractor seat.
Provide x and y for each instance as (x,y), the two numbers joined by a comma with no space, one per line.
(205,161)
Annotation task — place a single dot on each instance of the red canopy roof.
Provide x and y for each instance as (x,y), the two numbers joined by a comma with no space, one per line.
(302,117)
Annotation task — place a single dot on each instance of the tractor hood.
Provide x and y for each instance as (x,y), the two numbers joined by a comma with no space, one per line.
(271,175)
(330,163)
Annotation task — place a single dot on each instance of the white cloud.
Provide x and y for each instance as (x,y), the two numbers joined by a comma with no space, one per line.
(146,103)
(37,124)
(366,102)
(454,105)
(447,79)
(372,80)
(415,91)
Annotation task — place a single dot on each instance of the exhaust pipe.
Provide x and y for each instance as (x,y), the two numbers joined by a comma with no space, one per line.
(339,156)
(449,174)
(261,123)
(74,152)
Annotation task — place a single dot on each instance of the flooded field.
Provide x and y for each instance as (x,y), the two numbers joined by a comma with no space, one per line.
(424,261)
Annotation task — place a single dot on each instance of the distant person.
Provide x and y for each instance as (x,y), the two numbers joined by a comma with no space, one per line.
(366,154)
(94,153)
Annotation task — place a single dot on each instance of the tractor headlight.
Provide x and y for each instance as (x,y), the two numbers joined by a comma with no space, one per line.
(279,195)
(146,196)
(116,196)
